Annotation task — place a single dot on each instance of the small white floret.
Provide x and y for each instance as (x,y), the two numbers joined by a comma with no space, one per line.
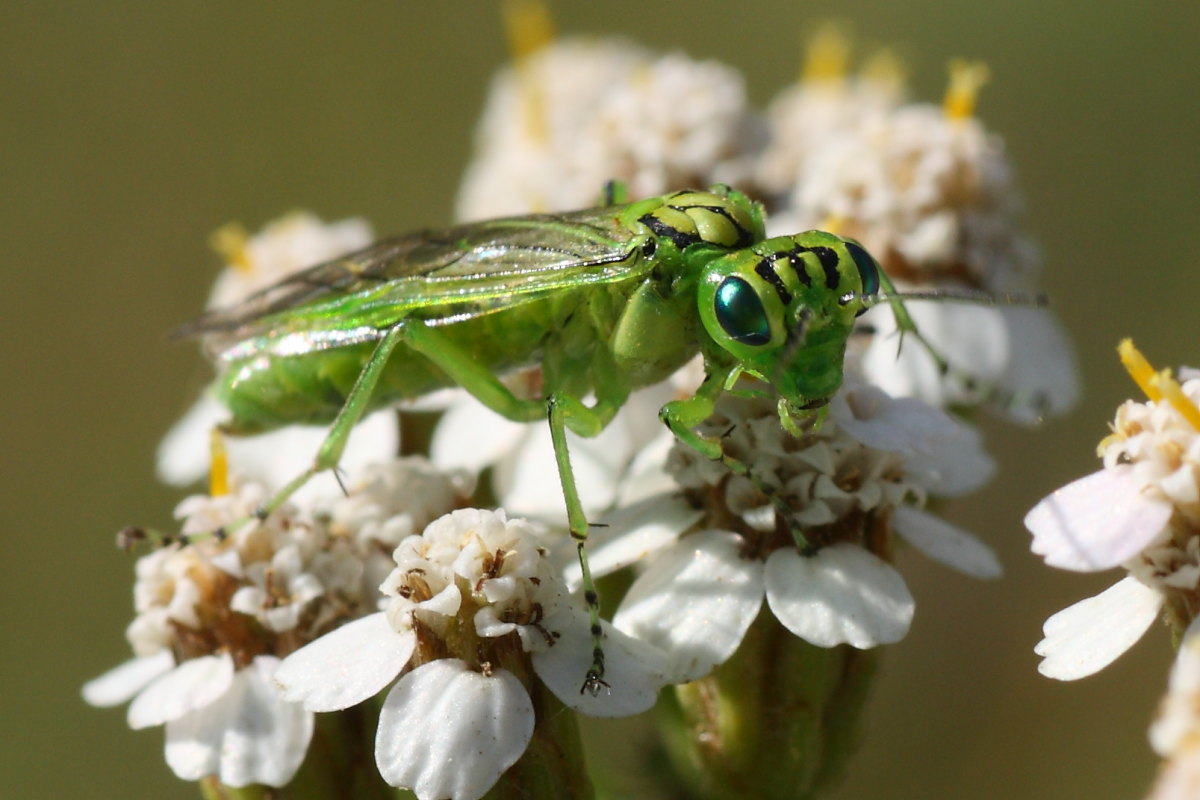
(347,665)
(696,601)
(250,735)
(840,595)
(447,731)
(1086,637)
(192,685)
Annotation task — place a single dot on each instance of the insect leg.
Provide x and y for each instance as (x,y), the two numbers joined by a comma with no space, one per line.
(682,416)
(347,417)
(558,406)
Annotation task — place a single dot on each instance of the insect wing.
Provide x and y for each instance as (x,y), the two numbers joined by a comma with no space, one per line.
(456,273)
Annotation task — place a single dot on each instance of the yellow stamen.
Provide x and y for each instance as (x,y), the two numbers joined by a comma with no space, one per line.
(827,55)
(966,79)
(884,70)
(231,243)
(1138,368)
(218,474)
(1157,385)
(529,29)
(1172,392)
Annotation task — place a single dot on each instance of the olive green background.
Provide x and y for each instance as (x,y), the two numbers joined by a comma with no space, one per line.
(128,131)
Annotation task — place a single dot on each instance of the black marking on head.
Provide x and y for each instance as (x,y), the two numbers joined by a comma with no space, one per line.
(765,269)
(797,264)
(660,228)
(829,262)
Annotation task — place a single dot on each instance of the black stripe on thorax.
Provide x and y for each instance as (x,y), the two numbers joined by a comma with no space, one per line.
(765,269)
(660,228)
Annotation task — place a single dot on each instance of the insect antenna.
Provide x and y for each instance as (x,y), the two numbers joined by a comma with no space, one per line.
(974,296)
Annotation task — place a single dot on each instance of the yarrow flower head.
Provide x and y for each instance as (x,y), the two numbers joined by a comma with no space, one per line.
(474,607)
(216,615)
(846,485)
(573,114)
(1140,512)
(931,194)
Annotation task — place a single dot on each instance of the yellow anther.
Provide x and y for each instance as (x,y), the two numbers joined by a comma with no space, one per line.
(966,79)
(529,29)
(1138,368)
(884,70)
(231,242)
(1172,392)
(1157,385)
(218,473)
(528,26)
(827,55)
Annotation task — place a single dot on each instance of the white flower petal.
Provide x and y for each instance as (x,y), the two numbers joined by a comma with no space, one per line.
(447,731)
(946,543)
(251,735)
(841,595)
(1085,638)
(471,436)
(192,685)
(276,457)
(632,533)
(634,671)
(1048,383)
(695,601)
(122,682)
(346,665)
(1096,522)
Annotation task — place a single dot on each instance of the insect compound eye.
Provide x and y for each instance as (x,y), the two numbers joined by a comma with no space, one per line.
(868,270)
(740,312)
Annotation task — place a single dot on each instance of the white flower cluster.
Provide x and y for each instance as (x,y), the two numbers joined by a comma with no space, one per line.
(578,113)
(214,617)
(466,595)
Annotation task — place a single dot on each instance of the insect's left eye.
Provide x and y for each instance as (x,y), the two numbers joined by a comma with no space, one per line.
(740,312)
(868,270)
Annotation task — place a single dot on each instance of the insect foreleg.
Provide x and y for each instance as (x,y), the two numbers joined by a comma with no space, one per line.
(682,417)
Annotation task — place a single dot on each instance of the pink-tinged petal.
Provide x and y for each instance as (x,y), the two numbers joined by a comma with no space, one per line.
(946,543)
(251,735)
(634,671)
(192,685)
(447,731)
(1096,522)
(695,602)
(346,665)
(841,595)
(121,683)
(1085,638)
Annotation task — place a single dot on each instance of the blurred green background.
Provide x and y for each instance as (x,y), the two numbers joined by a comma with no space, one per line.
(131,130)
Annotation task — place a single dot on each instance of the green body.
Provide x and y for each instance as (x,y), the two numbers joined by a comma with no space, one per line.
(603,300)
(618,295)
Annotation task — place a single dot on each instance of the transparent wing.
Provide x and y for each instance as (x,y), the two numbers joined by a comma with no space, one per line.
(464,270)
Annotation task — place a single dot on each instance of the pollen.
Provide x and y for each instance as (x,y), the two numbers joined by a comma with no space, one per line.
(962,93)
(886,70)
(827,54)
(529,30)
(218,473)
(1159,385)
(231,242)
